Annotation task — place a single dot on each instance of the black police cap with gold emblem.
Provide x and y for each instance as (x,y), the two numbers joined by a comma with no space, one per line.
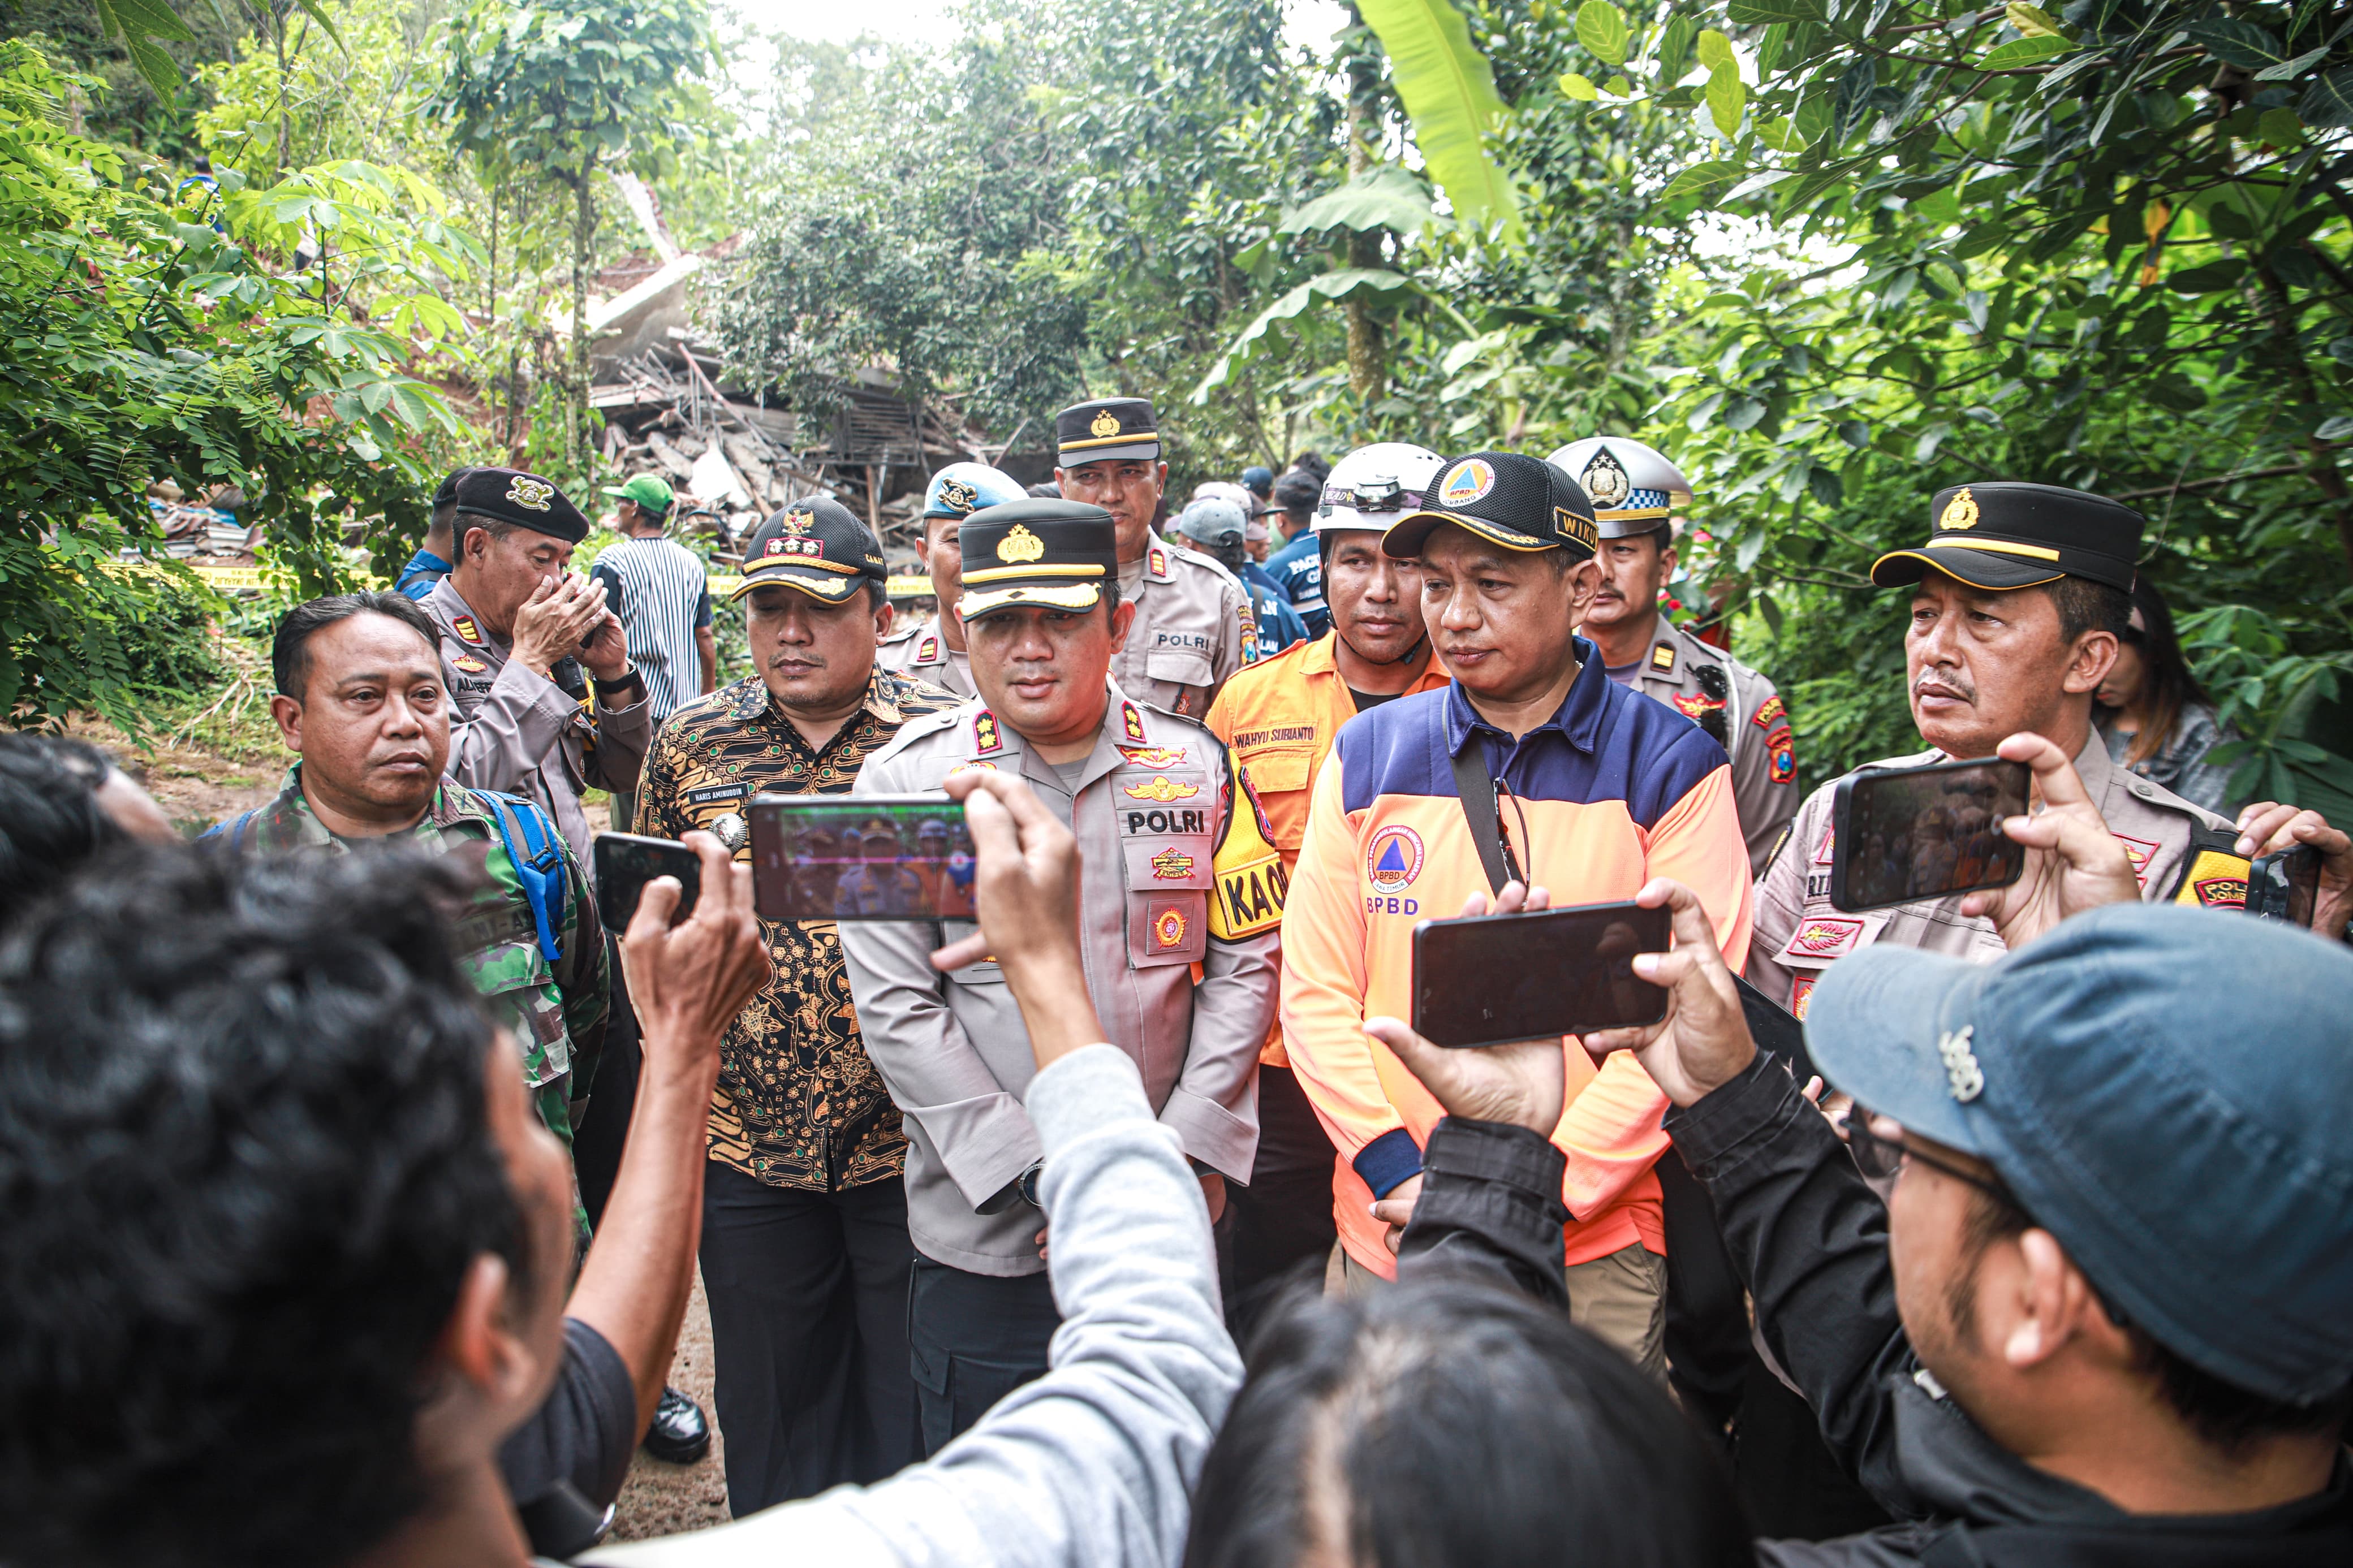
(1108,429)
(816,545)
(1036,555)
(2011,534)
(1508,498)
(512,496)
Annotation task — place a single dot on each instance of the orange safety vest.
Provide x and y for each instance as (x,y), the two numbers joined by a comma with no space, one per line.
(1280,717)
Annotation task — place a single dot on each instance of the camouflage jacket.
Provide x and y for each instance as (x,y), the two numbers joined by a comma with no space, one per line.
(799,1104)
(556,1012)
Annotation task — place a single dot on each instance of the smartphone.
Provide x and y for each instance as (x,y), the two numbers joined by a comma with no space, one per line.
(1491,979)
(861,858)
(1903,835)
(626,863)
(2285,886)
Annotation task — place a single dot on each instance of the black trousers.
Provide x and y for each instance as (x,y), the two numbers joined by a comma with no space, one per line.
(809,1305)
(973,1339)
(1279,1229)
(1708,1308)
(600,1127)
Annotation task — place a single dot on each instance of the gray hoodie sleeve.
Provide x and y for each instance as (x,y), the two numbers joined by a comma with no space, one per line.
(1093,1466)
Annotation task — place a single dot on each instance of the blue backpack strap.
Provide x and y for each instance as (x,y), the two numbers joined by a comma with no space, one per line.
(536,852)
(235,828)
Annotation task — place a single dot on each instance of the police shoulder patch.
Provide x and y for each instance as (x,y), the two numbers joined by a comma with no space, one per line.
(1248,883)
(464,627)
(1663,658)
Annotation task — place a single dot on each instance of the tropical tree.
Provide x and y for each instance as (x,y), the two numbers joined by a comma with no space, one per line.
(562,89)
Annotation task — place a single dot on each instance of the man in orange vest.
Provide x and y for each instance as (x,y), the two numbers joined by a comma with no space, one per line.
(1281,716)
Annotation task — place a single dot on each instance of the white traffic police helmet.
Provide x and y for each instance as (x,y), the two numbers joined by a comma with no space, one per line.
(1633,488)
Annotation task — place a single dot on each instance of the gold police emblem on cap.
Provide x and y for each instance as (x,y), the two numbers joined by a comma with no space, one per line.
(1020,546)
(526,491)
(1604,479)
(1106,423)
(1961,512)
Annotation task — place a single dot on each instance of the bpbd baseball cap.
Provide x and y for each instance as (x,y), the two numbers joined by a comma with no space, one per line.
(2183,1138)
(1505,497)
(816,545)
(2006,534)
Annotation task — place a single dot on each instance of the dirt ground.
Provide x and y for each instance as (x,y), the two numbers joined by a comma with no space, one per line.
(197,788)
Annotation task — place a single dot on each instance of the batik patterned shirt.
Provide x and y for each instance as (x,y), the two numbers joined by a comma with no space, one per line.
(798,1105)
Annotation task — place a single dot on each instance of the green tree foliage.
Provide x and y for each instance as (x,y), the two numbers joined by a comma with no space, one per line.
(143,342)
(558,92)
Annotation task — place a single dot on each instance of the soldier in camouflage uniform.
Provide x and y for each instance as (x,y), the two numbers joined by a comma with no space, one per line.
(360,699)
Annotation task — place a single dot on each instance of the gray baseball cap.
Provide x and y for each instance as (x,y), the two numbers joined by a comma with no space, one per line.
(2166,1091)
(1213,519)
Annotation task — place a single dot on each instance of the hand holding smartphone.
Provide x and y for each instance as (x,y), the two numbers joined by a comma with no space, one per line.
(1903,836)
(1487,980)
(626,863)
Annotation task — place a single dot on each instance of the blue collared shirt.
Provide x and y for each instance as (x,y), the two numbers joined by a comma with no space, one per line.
(416,578)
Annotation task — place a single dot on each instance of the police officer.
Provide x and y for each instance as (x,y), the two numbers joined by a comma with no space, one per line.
(2019,597)
(935,652)
(1214,526)
(1193,623)
(518,627)
(1633,489)
(1178,870)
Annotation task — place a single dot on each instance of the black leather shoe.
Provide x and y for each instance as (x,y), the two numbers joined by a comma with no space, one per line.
(678,1435)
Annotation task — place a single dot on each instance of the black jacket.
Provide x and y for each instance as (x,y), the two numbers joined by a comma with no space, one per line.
(1810,1241)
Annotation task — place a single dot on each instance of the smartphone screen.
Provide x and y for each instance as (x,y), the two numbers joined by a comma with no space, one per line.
(626,863)
(1495,978)
(1905,835)
(864,858)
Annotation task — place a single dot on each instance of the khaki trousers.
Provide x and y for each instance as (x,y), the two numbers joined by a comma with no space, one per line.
(1622,1297)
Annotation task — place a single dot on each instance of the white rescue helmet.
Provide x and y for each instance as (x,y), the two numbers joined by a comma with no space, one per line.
(1633,488)
(1374,485)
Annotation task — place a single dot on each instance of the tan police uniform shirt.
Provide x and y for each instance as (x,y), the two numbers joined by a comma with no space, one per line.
(922,652)
(2178,851)
(1177,869)
(512,731)
(1756,727)
(1193,629)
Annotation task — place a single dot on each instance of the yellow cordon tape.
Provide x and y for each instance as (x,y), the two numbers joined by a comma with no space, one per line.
(230,579)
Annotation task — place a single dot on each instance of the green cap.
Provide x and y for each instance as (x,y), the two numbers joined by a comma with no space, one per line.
(652,494)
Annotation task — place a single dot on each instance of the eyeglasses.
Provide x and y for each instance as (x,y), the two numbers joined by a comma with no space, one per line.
(1882,1159)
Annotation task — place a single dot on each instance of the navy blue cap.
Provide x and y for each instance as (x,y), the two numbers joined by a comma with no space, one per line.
(2166,1091)
(1259,480)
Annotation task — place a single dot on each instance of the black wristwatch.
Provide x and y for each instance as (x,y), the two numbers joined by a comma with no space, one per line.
(614,693)
(1026,1185)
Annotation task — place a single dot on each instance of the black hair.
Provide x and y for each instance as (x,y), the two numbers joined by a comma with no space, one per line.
(2084,606)
(1313,464)
(1046,489)
(2168,684)
(245,1164)
(290,650)
(50,818)
(1458,1425)
(2225,1417)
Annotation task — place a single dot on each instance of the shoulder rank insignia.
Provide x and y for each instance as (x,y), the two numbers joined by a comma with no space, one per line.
(1767,711)
(464,627)
(985,738)
(1163,789)
(1662,656)
(1152,756)
(470,664)
(1132,721)
(927,650)
(1159,562)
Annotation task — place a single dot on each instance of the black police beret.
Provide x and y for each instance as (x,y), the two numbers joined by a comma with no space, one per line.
(525,500)
(817,545)
(2006,533)
(1048,553)
(1507,498)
